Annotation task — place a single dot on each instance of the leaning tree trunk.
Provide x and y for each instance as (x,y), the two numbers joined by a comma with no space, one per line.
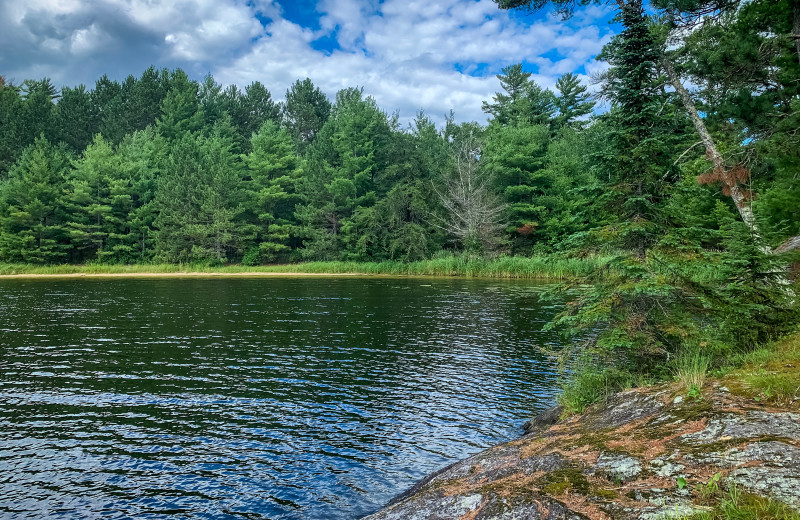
(729,176)
(724,174)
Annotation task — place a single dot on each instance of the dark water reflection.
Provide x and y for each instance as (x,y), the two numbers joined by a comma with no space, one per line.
(254,398)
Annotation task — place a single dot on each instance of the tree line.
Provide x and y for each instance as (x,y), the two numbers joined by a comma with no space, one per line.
(163,168)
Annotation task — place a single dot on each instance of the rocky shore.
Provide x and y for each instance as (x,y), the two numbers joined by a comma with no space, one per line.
(646,454)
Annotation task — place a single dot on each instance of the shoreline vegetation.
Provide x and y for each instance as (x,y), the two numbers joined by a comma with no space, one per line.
(543,268)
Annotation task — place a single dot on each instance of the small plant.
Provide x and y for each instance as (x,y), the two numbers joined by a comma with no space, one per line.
(711,488)
(588,385)
(740,505)
(694,392)
(682,484)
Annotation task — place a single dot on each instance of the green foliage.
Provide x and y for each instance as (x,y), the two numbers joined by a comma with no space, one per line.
(524,102)
(591,384)
(305,112)
(573,102)
(199,203)
(740,505)
(275,172)
(32,207)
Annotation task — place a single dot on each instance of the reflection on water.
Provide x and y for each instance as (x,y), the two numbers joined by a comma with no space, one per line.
(255,398)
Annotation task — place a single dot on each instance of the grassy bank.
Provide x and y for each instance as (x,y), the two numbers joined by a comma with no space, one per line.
(769,374)
(535,268)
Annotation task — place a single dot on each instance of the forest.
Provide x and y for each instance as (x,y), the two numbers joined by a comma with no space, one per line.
(161,168)
(683,169)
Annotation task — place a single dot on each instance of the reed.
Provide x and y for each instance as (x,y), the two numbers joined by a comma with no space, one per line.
(528,268)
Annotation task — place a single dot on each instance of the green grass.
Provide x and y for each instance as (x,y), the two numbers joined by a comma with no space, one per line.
(593,384)
(739,505)
(770,374)
(691,368)
(535,268)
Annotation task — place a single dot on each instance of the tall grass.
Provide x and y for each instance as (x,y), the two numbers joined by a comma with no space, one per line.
(691,368)
(535,268)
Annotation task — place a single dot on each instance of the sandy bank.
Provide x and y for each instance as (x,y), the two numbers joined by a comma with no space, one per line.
(192,274)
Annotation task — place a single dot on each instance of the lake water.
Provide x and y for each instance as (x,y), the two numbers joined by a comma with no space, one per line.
(280,398)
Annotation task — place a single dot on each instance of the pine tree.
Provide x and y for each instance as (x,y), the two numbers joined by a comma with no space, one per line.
(525,102)
(344,173)
(98,202)
(573,102)
(31,207)
(305,111)
(11,138)
(199,202)
(275,171)
(180,112)
(75,119)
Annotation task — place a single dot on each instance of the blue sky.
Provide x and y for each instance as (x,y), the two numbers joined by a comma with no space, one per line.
(411,55)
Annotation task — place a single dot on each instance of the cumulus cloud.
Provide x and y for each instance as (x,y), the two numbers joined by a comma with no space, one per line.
(408,54)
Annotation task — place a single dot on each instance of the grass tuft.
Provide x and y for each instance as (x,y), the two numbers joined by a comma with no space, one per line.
(739,505)
(770,374)
(691,368)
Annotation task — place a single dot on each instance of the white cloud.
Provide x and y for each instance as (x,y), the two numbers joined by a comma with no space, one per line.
(408,54)
(404,53)
(84,41)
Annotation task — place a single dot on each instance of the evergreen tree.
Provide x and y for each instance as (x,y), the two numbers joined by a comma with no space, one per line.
(11,135)
(343,173)
(37,113)
(573,102)
(524,102)
(31,207)
(199,202)
(140,157)
(98,202)
(275,171)
(305,111)
(180,112)
(515,158)
(75,119)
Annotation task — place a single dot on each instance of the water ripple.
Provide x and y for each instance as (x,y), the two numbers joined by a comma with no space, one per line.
(251,398)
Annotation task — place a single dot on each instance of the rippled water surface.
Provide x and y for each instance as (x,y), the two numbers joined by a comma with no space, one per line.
(281,398)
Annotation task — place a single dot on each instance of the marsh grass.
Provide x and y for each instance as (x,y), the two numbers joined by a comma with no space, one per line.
(534,268)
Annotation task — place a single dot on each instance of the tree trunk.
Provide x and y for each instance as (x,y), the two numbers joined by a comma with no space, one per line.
(739,199)
(742,202)
(796,26)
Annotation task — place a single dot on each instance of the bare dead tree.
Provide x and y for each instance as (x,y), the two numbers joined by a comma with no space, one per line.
(473,212)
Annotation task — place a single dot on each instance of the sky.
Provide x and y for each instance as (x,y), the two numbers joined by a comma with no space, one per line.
(410,55)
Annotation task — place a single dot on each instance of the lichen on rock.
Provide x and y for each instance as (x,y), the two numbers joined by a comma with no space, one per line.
(620,460)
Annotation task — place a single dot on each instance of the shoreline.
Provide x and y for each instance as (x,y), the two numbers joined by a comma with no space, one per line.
(198,274)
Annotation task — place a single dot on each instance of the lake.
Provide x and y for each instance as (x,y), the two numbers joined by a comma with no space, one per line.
(280,398)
